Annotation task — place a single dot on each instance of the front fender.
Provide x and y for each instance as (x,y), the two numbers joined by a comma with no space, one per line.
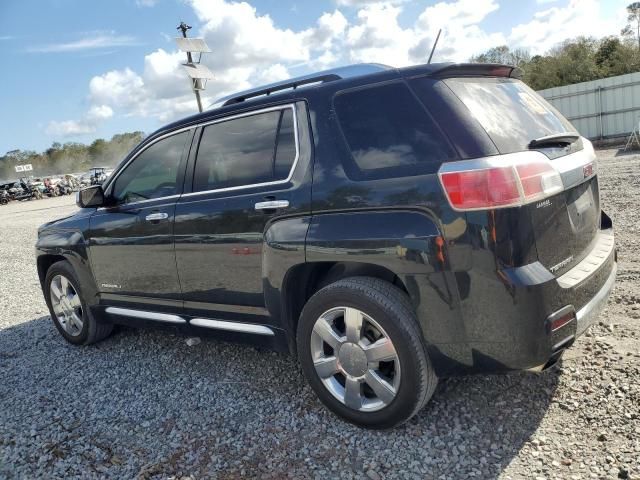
(55,243)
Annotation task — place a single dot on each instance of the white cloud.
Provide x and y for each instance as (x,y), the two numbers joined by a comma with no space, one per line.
(146,3)
(250,49)
(362,3)
(556,24)
(89,124)
(93,41)
(99,112)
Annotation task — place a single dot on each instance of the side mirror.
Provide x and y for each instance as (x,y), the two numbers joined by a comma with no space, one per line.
(90,197)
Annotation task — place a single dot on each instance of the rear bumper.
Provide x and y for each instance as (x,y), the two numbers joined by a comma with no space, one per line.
(589,313)
(506,322)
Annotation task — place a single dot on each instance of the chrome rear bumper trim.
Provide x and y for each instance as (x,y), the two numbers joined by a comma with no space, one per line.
(597,256)
(591,311)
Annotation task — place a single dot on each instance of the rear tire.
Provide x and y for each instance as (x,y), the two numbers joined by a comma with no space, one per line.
(378,377)
(69,311)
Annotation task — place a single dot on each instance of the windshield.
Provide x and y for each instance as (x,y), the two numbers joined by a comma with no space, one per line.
(511,113)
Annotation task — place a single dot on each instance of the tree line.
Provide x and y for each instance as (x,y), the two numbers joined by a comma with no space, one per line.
(579,60)
(70,157)
(573,61)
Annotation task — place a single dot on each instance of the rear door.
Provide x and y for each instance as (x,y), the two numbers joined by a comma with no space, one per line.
(565,225)
(249,171)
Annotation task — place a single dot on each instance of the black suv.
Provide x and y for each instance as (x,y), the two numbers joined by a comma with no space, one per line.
(386,226)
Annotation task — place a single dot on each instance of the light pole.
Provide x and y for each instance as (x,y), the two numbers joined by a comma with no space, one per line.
(198,73)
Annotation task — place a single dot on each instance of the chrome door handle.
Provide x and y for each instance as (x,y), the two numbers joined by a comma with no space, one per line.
(272,204)
(156,216)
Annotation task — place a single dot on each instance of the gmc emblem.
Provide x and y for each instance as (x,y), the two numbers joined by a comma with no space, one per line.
(587,170)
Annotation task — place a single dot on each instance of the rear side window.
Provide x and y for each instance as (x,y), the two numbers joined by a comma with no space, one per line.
(389,133)
(249,150)
(510,112)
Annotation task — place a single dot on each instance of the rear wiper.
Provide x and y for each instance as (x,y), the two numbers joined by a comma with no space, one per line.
(564,138)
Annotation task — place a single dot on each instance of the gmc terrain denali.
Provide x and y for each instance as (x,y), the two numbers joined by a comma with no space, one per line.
(386,226)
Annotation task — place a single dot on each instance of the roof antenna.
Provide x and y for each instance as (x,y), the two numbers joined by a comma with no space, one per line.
(433,49)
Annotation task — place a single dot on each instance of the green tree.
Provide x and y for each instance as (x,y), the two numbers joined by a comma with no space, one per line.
(633,22)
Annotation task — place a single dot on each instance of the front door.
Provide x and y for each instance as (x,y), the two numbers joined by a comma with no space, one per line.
(131,241)
(243,180)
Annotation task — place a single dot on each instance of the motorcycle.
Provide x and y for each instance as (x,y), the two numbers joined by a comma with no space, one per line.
(4,197)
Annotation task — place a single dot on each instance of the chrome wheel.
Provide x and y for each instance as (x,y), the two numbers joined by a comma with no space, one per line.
(355,359)
(66,305)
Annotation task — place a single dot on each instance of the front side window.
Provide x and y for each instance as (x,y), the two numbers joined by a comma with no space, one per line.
(389,133)
(153,173)
(248,150)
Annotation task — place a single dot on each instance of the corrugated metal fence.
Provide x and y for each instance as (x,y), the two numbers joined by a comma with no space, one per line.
(604,108)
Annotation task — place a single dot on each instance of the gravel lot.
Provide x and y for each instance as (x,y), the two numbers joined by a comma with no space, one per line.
(144,404)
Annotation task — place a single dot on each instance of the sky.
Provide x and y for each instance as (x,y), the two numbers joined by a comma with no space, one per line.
(74,70)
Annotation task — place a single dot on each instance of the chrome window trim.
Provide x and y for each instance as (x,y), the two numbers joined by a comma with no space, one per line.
(292,106)
(263,184)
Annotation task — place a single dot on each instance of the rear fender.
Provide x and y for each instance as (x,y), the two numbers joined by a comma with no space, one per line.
(405,242)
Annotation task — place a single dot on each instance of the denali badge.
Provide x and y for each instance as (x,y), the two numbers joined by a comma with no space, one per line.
(558,266)
(110,285)
(587,170)
(544,203)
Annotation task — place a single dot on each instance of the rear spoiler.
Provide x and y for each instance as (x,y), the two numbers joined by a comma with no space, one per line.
(478,70)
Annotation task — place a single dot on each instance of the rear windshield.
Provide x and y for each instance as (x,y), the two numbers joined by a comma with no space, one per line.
(511,113)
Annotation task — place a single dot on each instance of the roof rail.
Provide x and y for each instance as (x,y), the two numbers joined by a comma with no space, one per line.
(340,73)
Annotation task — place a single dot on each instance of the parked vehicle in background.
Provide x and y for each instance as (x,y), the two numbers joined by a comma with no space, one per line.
(386,226)
(27,190)
(99,174)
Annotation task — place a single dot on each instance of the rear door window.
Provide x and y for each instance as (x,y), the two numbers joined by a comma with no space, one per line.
(249,150)
(511,113)
(389,133)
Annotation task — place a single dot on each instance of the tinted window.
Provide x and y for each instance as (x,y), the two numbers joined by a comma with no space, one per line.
(255,149)
(389,133)
(511,113)
(153,173)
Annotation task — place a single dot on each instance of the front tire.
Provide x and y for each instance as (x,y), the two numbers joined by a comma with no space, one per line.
(69,311)
(361,349)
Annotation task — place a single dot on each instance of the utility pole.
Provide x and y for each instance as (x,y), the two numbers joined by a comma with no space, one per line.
(198,73)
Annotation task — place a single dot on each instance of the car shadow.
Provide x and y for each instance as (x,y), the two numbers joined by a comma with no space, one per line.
(143,403)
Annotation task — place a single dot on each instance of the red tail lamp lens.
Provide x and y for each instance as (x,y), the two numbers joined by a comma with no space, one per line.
(481,188)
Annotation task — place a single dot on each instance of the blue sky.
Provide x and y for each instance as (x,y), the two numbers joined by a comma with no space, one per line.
(76,70)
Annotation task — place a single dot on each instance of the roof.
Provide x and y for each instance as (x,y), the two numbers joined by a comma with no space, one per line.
(339,73)
(376,71)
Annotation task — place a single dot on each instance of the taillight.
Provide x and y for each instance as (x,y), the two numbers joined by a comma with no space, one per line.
(497,182)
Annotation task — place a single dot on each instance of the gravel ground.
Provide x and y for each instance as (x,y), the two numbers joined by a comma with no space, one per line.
(144,404)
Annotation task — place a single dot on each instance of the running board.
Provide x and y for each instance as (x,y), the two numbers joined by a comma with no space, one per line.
(231,326)
(196,322)
(159,317)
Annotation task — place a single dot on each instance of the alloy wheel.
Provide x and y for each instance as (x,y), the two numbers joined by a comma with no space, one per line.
(66,305)
(355,359)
